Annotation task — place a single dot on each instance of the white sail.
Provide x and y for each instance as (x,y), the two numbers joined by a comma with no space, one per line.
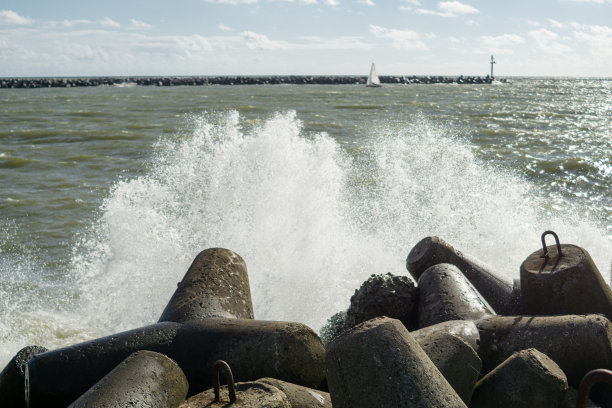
(373,77)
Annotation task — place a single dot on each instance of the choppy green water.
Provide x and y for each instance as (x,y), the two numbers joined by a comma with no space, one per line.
(107,193)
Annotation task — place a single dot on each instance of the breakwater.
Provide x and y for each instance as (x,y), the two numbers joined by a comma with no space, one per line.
(459,351)
(68,82)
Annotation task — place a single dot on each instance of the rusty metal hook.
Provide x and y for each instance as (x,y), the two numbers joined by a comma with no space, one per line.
(229,378)
(545,248)
(588,381)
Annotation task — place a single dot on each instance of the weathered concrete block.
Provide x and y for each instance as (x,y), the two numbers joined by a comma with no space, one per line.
(378,364)
(446,294)
(143,380)
(215,285)
(526,379)
(300,397)
(250,394)
(577,344)
(288,351)
(385,295)
(567,284)
(456,360)
(466,330)
(497,291)
(12,378)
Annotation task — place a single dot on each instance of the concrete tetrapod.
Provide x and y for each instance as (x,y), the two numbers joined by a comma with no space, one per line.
(526,379)
(456,360)
(498,292)
(446,294)
(466,330)
(577,344)
(300,397)
(143,380)
(566,284)
(255,349)
(215,285)
(250,394)
(12,378)
(378,364)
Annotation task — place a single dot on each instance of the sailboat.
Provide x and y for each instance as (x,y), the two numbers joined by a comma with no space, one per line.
(373,77)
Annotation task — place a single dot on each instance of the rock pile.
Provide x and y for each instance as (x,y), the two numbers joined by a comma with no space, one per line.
(437,343)
(234,80)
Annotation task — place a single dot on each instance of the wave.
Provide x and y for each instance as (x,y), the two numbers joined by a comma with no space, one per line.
(311,218)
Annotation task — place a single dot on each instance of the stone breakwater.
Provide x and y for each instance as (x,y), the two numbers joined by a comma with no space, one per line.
(234,80)
(436,338)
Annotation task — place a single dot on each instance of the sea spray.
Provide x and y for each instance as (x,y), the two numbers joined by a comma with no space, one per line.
(312,217)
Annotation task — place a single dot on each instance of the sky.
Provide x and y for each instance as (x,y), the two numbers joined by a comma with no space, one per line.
(305,37)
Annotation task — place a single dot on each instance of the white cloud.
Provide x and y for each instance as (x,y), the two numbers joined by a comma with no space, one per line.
(587,1)
(454,8)
(597,40)
(193,45)
(366,2)
(401,39)
(449,9)
(8,17)
(139,24)
(412,4)
(232,2)
(547,41)
(333,43)
(502,44)
(454,39)
(108,22)
(256,41)
(71,23)
(333,3)
(555,24)
(223,27)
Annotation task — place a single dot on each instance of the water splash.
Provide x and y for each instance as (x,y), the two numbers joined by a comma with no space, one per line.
(311,218)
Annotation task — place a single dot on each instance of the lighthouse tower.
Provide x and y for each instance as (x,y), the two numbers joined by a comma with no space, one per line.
(492,62)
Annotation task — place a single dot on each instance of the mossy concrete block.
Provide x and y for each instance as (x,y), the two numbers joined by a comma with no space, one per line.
(334,326)
(378,364)
(526,379)
(385,295)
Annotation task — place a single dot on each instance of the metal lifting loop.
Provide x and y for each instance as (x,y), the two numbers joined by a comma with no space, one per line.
(545,249)
(588,381)
(229,378)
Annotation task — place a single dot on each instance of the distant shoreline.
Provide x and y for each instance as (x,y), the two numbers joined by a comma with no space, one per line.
(68,82)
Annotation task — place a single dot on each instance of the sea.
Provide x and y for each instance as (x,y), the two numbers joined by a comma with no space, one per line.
(108,193)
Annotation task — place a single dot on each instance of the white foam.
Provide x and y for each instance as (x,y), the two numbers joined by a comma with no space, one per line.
(311,220)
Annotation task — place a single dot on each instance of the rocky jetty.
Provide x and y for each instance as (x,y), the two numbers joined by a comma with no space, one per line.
(69,82)
(429,341)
